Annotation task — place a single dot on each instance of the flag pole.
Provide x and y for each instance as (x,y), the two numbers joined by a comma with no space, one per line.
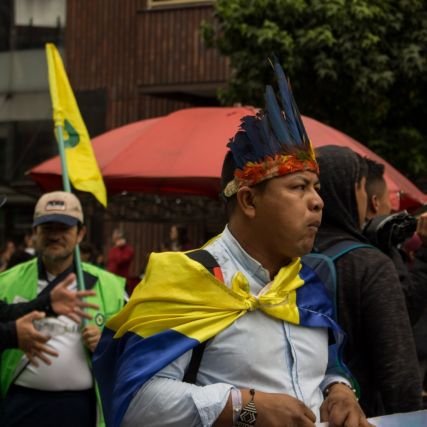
(60,138)
(78,163)
(67,187)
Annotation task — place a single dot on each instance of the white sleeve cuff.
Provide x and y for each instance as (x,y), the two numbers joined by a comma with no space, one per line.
(210,401)
(329,379)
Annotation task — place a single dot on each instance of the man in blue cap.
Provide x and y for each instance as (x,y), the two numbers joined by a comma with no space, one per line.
(62,393)
(17,329)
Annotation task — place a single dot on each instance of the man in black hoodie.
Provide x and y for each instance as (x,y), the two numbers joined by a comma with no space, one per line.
(380,350)
(414,279)
(412,272)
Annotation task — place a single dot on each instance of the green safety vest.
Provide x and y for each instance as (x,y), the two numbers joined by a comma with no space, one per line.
(22,281)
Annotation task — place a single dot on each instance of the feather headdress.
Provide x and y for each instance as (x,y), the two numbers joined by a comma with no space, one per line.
(272,143)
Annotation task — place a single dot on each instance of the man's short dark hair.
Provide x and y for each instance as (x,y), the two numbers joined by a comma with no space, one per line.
(363,168)
(228,168)
(227,175)
(375,182)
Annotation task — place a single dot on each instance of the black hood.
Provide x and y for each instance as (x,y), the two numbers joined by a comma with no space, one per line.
(340,169)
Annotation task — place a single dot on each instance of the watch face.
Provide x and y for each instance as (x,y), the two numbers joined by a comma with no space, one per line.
(99,319)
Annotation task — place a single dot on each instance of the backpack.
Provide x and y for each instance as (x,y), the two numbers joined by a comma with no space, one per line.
(323,263)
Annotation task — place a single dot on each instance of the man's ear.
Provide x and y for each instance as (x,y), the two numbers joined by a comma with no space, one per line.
(81,234)
(246,201)
(373,204)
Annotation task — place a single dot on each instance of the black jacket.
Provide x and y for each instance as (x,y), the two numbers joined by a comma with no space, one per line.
(10,312)
(380,350)
(413,280)
(414,284)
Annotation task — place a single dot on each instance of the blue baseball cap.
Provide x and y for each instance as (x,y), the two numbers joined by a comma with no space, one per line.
(58,206)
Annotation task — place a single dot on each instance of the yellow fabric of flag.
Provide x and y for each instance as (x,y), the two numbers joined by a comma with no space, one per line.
(83,169)
(166,299)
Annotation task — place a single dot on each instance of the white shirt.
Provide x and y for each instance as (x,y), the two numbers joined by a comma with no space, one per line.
(256,351)
(68,371)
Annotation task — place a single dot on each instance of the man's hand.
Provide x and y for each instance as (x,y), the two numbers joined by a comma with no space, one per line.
(91,335)
(274,410)
(70,303)
(278,410)
(341,408)
(31,341)
(422,228)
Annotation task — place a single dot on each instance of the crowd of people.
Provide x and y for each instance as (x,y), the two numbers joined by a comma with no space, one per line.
(240,332)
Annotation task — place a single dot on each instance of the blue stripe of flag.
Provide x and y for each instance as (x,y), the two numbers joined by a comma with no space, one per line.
(122,366)
(313,301)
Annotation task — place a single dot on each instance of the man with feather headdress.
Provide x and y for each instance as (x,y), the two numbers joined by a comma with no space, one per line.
(245,343)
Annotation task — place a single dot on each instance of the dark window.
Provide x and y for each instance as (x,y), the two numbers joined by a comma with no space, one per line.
(23,35)
(5,24)
(30,37)
(33,143)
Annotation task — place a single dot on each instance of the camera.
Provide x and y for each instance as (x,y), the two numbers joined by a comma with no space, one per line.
(387,231)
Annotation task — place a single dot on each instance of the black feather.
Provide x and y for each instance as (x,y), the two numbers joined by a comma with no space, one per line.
(278,129)
(275,116)
(287,101)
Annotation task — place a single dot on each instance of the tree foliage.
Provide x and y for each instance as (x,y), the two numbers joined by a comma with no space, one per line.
(359,65)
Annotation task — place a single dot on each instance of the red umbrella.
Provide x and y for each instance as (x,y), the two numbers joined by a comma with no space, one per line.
(403,193)
(182,153)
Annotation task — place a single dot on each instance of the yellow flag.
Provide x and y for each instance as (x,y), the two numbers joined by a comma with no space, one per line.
(83,169)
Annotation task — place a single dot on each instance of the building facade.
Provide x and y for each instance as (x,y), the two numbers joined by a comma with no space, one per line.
(141,58)
(127,60)
(26,136)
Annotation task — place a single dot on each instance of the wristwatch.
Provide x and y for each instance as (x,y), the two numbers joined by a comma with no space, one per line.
(327,390)
(248,414)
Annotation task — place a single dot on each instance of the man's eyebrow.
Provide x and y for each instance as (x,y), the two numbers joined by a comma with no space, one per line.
(308,180)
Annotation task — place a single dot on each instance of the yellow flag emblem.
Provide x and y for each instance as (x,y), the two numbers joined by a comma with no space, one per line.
(82,166)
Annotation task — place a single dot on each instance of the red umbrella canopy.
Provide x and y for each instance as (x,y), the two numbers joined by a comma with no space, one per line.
(403,193)
(182,153)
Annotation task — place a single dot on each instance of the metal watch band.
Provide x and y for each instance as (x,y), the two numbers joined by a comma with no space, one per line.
(327,390)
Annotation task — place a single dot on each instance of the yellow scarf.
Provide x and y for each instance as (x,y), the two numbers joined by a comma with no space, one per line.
(180,294)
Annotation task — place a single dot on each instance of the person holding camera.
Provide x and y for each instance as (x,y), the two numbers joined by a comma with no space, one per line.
(380,349)
(388,232)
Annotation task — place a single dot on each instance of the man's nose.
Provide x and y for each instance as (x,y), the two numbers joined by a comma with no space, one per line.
(317,202)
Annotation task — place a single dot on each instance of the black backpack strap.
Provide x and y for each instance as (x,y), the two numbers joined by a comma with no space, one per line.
(209,262)
(204,258)
(190,375)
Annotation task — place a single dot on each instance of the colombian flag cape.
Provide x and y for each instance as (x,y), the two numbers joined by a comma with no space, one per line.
(180,304)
